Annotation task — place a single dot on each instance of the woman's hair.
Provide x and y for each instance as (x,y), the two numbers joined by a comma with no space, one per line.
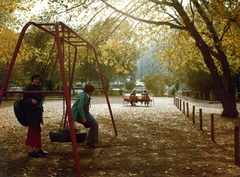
(37,75)
(89,88)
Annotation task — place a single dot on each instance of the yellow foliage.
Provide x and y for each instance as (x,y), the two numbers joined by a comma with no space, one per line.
(117,52)
(8,41)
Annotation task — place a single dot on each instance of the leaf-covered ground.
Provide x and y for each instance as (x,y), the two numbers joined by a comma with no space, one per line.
(152,141)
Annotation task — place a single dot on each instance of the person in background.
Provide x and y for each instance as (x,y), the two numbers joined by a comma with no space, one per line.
(145,94)
(33,110)
(81,114)
(133,97)
(133,93)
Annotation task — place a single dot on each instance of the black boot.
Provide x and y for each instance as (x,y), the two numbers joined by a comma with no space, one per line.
(42,152)
(34,154)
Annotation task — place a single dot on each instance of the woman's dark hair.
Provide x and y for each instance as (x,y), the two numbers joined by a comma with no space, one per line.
(89,88)
(37,75)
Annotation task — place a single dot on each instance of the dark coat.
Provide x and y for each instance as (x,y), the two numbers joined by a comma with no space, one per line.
(33,112)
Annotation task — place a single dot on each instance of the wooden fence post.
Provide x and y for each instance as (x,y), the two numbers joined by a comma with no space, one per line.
(200,118)
(236,145)
(212,127)
(193,114)
(204,97)
(178,103)
(187,110)
(183,107)
(180,106)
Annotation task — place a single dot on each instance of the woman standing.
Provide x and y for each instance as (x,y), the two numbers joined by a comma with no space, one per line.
(81,114)
(33,110)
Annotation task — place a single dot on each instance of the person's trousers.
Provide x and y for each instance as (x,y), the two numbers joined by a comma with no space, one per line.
(34,136)
(92,136)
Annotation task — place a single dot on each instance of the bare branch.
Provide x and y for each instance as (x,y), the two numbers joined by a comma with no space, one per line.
(162,2)
(171,25)
(74,7)
(93,17)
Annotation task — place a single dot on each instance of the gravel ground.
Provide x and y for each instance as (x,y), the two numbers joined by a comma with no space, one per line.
(157,140)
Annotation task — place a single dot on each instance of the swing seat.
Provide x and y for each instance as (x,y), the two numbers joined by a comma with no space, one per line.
(63,135)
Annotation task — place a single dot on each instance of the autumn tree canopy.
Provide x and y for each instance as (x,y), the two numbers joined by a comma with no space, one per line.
(210,29)
(208,23)
(208,26)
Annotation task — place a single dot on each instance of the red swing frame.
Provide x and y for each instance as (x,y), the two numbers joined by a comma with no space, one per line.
(62,34)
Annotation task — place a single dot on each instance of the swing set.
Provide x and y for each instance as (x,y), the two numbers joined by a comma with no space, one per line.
(63,35)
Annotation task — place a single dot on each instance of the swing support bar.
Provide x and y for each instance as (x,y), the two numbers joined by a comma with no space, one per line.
(63,35)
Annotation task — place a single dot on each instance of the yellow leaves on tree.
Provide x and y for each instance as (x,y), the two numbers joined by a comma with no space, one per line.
(8,41)
(117,55)
(6,10)
(116,44)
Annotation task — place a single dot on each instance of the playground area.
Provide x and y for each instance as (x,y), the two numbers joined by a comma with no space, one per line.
(154,141)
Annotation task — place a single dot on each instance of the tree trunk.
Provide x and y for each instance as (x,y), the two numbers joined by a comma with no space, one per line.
(226,90)
(229,109)
(227,93)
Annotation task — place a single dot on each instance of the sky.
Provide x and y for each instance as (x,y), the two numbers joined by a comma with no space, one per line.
(41,6)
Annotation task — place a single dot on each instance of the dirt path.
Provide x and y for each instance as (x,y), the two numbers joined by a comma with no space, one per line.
(152,141)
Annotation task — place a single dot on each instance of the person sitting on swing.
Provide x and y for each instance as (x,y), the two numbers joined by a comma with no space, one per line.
(81,114)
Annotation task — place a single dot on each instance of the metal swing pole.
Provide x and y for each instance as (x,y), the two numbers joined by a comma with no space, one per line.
(105,90)
(67,99)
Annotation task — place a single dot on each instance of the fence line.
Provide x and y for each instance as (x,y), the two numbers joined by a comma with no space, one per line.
(178,102)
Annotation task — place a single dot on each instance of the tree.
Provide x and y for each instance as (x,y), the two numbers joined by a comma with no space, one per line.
(184,62)
(8,39)
(209,23)
(129,85)
(116,50)
(6,12)
(155,83)
(37,54)
(10,19)
(215,18)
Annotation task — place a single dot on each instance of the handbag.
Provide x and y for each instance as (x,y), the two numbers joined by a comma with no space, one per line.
(18,107)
